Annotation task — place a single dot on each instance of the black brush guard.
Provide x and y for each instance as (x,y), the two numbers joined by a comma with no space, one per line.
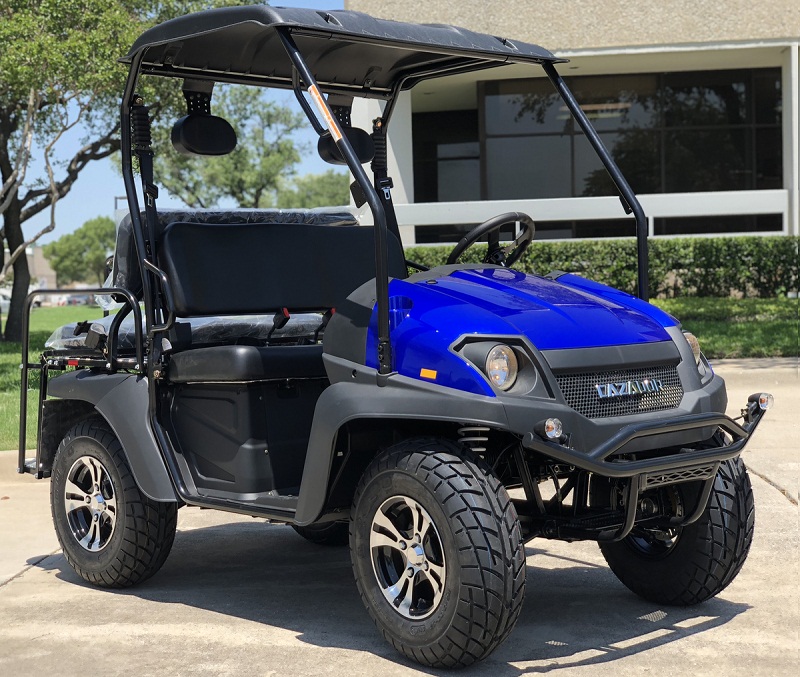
(648,473)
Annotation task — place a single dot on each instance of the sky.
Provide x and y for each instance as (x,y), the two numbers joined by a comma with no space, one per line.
(99,187)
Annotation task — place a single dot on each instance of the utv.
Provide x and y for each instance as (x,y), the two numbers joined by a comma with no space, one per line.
(288,365)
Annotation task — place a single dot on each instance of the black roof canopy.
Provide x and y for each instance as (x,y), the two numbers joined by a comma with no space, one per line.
(346,51)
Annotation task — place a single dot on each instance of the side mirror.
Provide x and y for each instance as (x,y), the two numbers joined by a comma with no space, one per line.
(203,135)
(360,141)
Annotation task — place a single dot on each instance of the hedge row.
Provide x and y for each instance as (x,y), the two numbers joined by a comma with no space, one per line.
(719,266)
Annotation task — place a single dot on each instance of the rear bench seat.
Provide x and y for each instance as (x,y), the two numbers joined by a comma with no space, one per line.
(259,268)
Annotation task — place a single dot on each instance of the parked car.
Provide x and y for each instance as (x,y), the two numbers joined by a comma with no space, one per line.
(434,420)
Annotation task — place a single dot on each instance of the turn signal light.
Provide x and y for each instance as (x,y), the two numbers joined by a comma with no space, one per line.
(550,428)
(764,400)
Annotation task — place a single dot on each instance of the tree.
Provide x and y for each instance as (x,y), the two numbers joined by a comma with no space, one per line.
(330,188)
(81,256)
(264,157)
(260,172)
(56,74)
(59,74)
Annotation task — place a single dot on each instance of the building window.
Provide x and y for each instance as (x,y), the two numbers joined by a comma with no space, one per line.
(740,223)
(668,132)
(446,156)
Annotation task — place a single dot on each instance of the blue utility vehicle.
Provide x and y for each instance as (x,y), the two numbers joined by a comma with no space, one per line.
(293,365)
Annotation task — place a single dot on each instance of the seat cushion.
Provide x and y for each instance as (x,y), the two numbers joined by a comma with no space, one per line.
(246,363)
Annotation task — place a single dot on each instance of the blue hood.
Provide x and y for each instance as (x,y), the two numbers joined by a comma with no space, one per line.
(569,312)
(429,314)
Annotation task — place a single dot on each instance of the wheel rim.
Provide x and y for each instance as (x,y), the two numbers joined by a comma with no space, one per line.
(654,543)
(659,542)
(407,557)
(90,503)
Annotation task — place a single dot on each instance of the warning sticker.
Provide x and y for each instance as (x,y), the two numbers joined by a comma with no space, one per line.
(322,107)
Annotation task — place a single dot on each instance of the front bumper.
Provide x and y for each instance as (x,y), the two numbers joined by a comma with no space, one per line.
(658,469)
(601,459)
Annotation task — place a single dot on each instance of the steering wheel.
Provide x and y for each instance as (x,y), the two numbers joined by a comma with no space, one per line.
(504,256)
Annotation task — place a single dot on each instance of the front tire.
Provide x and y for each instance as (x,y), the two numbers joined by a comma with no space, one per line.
(112,535)
(437,553)
(691,564)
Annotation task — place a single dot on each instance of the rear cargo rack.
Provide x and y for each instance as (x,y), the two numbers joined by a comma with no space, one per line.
(108,359)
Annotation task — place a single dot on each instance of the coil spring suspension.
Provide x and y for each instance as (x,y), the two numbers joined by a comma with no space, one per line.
(475,437)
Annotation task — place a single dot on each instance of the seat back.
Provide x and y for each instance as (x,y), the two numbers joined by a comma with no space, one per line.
(125,270)
(225,269)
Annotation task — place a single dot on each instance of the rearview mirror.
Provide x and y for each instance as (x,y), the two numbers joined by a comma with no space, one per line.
(361,142)
(203,135)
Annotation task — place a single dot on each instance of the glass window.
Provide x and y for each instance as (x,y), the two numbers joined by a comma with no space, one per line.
(528,166)
(514,107)
(619,101)
(635,151)
(446,156)
(767,97)
(550,230)
(459,180)
(717,98)
(668,132)
(740,223)
(458,150)
(707,160)
(769,159)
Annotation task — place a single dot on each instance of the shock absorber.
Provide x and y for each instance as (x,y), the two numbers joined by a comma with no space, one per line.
(476,437)
(140,126)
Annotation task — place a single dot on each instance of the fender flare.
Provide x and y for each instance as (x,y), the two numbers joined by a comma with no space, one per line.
(398,398)
(123,401)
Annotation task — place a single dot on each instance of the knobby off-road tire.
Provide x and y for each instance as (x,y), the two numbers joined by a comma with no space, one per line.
(112,535)
(700,559)
(333,534)
(437,552)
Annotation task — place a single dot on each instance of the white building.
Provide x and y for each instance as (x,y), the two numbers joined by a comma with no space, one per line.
(697,100)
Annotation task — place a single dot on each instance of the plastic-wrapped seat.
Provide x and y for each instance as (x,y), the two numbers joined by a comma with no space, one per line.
(125,269)
(219,269)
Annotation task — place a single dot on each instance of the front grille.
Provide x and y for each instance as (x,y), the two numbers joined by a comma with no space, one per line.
(581,393)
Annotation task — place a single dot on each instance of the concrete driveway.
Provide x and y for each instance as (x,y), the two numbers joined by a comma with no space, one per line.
(241,597)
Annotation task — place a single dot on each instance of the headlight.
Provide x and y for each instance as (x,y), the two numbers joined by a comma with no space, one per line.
(501,367)
(694,344)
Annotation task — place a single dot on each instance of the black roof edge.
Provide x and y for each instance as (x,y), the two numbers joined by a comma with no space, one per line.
(344,23)
(223,44)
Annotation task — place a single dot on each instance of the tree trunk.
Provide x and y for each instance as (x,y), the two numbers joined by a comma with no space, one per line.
(22,276)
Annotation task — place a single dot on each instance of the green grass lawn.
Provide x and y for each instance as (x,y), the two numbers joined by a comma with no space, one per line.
(724,327)
(43,322)
(740,327)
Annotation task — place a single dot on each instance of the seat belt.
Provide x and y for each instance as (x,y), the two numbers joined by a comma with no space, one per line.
(382,181)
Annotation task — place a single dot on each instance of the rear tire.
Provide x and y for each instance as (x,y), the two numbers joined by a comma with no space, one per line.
(437,553)
(697,561)
(112,535)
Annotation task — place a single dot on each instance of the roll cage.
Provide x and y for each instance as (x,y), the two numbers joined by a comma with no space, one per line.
(333,54)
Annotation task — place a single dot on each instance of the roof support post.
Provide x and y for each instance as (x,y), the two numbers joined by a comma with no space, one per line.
(629,201)
(375,205)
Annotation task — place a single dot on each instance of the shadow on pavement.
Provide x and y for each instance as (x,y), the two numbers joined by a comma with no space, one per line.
(574,615)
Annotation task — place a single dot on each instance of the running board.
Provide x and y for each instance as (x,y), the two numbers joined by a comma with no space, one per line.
(281,509)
